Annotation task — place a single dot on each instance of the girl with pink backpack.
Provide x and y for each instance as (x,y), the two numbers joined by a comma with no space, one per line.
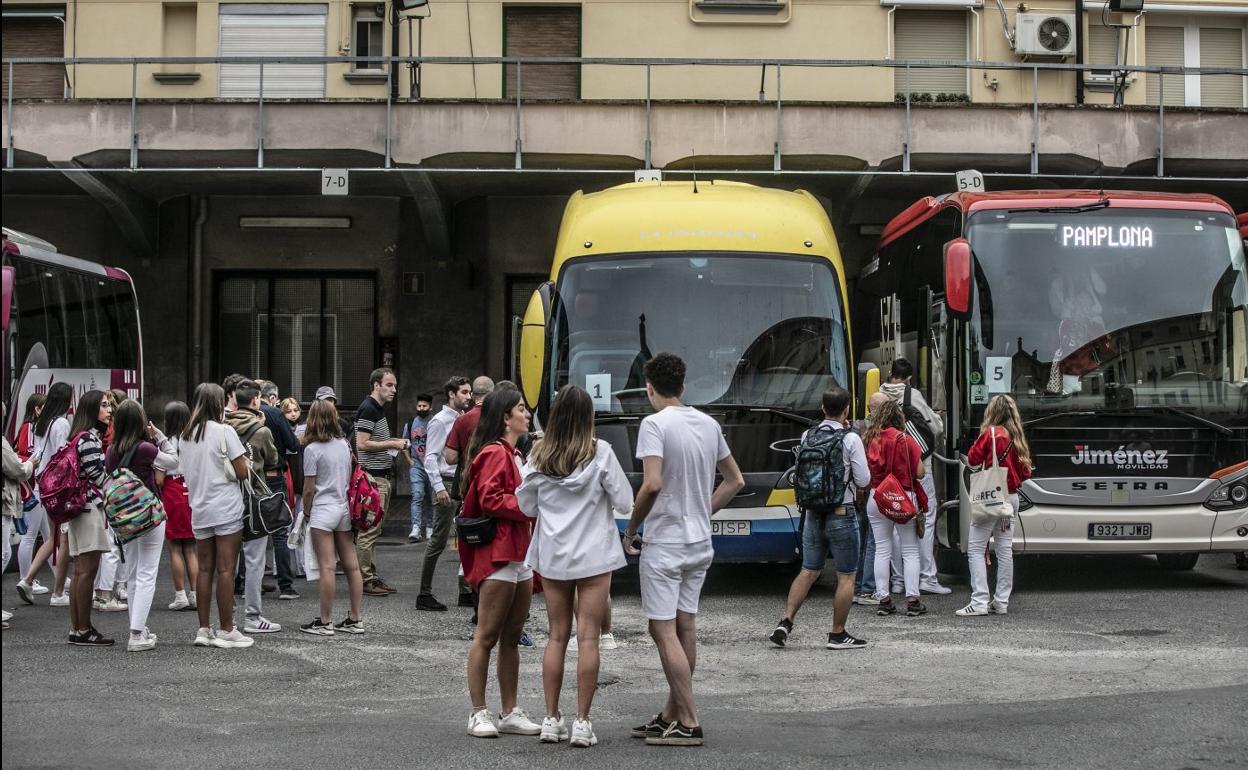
(87,528)
(895,502)
(327,467)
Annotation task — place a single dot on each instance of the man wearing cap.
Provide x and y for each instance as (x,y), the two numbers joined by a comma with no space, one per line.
(326,393)
(375,451)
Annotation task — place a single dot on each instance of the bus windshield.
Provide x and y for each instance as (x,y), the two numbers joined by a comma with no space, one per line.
(754,330)
(1110,308)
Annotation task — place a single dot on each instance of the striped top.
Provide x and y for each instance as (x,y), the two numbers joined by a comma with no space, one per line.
(370,418)
(91,463)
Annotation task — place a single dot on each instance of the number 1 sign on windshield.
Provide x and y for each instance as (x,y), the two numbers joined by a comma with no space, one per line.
(599,387)
(970,180)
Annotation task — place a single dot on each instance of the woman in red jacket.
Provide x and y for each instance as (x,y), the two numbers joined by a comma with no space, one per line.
(496,570)
(1002,433)
(891,452)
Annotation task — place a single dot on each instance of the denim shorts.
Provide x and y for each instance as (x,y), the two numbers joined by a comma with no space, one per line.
(826,534)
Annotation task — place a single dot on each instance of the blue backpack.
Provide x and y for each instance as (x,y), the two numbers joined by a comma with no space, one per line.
(819,475)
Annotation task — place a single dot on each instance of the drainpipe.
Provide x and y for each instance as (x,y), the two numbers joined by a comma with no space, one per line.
(1078,51)
(197,291)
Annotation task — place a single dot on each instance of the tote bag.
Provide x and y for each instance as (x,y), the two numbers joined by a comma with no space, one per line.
(990,499)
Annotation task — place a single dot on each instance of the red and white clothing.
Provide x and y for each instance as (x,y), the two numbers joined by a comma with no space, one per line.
(492,492)
(999,439)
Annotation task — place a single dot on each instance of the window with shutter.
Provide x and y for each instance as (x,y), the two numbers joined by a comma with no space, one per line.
(939,35)
(537,32)
(1221,47)
(1163,46)
(520,289)
(36,36)
(272,30)
(1103,44)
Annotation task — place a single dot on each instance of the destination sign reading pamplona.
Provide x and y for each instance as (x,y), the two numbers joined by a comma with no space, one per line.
(1130,237)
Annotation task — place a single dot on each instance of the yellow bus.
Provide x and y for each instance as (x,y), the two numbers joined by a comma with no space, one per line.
(744,283)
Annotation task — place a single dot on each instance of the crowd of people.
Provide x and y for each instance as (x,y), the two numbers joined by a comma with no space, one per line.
(529,513)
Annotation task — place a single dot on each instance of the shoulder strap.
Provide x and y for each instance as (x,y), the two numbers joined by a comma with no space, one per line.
(906,398)
(250,432)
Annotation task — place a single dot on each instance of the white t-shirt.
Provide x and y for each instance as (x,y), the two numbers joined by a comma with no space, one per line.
(691,444)
(330,463)
(215,500)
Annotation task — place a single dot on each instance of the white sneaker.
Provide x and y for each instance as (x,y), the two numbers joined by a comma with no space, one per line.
(261,626)
(38,588)
(234,638)
(583,733)
(6,616)
(934,588)
(109,605)
(23,590)
(998,609)
(415,535)
(554,730)
(971,611)
(481,724)
(180,602)
(59,601)
(518,723)
(607,642)
(190,597)
(145,642)
(204,637)
(866,600)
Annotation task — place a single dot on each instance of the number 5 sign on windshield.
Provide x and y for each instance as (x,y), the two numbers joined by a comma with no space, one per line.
(997,372)
(970,180)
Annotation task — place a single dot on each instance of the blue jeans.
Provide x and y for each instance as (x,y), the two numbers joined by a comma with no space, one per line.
(826,534)
(865,583)
(422,498)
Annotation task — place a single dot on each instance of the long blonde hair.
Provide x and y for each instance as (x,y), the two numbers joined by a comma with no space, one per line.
(1003,412)
(569,441)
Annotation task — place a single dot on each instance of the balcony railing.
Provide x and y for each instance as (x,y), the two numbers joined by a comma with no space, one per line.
(649,65)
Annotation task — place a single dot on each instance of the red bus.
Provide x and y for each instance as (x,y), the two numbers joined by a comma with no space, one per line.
(1118,321)
(65,320)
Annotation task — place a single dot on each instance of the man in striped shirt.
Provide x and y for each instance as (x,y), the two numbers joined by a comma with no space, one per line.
(376,451)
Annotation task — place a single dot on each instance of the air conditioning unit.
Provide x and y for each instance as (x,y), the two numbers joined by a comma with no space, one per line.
(1045,34)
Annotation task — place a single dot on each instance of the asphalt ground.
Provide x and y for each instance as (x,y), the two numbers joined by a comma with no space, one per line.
(1102,662)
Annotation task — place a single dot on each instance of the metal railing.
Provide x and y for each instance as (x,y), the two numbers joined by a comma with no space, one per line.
(1121,72)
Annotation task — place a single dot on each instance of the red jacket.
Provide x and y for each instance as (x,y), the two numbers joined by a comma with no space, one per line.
(978,457)
(492,492)
(898,456)
(25,441)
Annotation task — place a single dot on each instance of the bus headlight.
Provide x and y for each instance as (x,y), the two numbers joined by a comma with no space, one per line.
(1023,502)
(1233,494)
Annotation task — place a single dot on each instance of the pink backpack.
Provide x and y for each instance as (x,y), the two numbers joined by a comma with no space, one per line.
(363,500)
(62,490)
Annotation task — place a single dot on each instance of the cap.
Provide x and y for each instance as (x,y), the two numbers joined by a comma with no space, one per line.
(326,393)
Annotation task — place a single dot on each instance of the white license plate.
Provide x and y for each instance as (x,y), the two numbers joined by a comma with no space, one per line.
(1120,531)
(730,527)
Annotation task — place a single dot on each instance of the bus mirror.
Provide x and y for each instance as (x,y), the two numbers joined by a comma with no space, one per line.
(958,276)
(533,344)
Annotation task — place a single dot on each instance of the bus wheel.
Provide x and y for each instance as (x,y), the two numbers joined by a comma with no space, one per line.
(1177,561)
(950,561)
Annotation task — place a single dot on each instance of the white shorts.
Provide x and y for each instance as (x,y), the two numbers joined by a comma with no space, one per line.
(513,572)
(221,530)
(330,521)
(672,575)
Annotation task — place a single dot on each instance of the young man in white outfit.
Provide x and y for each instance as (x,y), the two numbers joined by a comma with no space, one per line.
(680,449)
(899,379)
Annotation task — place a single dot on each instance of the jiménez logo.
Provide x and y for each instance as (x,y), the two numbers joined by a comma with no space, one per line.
(1122,458)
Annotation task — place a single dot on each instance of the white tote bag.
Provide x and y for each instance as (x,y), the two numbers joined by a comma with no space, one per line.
(990,498)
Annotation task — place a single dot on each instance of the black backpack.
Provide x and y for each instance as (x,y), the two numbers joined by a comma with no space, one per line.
(819,475)
(917,426)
